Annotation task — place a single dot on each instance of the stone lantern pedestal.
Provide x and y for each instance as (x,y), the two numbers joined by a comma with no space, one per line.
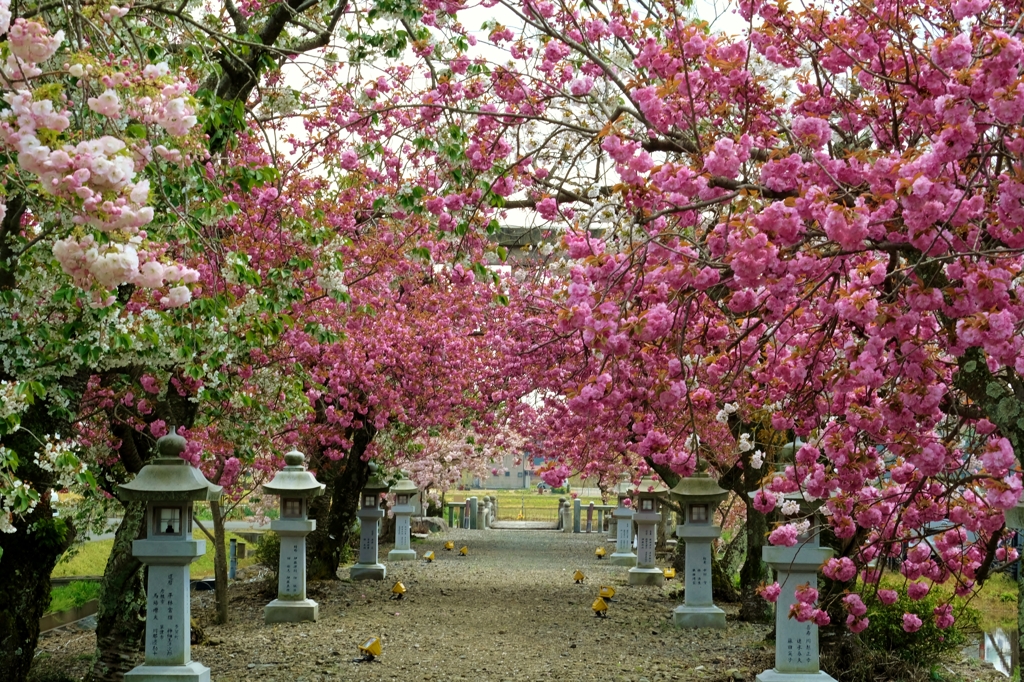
(699,497)
(796,643)
(647,518)
(623,516)
(405,494)
(169,486)
(370,514)
(297,487)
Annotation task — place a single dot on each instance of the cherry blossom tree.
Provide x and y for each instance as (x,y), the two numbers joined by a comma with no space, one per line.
(813,223)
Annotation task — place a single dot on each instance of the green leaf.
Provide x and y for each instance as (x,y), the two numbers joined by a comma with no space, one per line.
(135,130)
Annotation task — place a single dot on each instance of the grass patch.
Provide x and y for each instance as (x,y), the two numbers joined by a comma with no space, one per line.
(996,603)
(72,595)
(91,558)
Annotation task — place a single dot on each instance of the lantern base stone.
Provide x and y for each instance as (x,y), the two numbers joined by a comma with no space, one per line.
(280,611)
(367,572)
(193,672)
(698,617)
(402,555)
(622,559)
(646,576)
(774,675)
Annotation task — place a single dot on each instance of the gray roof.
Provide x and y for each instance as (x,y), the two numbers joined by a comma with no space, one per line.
(169,477)
(294,480)
(697,489)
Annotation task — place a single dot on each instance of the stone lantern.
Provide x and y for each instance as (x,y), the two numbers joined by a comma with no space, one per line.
(370,514)
(699,497)
(1015,516)
(647,516)
(406,493)
(623,518)
(796,643)
(297,487)
(169,486)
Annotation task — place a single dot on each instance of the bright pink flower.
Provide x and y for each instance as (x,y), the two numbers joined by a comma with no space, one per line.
(770,592)
(785,535)
(918,591)
(855,605)
(911,622)
(943,616)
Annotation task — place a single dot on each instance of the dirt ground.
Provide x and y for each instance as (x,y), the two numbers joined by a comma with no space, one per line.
(508,611)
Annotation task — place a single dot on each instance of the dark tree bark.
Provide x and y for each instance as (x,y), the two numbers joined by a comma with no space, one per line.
(722,587)
(335,510)
(28,557)
(120,622)
(25,567)
(753,609)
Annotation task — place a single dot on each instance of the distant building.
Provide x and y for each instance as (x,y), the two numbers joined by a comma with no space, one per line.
(510,476)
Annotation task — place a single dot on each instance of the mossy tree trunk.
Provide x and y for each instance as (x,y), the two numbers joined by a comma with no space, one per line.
(335,510)
(25,567)
(28,555)
(120,624)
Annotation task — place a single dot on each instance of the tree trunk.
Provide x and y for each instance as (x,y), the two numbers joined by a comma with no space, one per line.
(335,510)
(220,565)
(387,529)
(722,587)
(120,626)
(25,567)
(753,609)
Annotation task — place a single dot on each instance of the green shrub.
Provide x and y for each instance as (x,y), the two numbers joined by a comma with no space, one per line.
(72,595)
(268,551)
(886,634)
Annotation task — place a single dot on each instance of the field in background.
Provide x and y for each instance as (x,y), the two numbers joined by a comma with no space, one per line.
(91,558)
(532,506)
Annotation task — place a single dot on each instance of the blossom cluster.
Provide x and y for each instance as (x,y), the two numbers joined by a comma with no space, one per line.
(96,178)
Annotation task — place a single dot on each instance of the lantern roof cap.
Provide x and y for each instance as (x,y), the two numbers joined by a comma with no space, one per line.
(404,486)
(375,484)
(169,477)
(294,480)
(697,489)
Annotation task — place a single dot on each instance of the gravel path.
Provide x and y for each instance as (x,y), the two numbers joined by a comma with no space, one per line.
(508,611)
